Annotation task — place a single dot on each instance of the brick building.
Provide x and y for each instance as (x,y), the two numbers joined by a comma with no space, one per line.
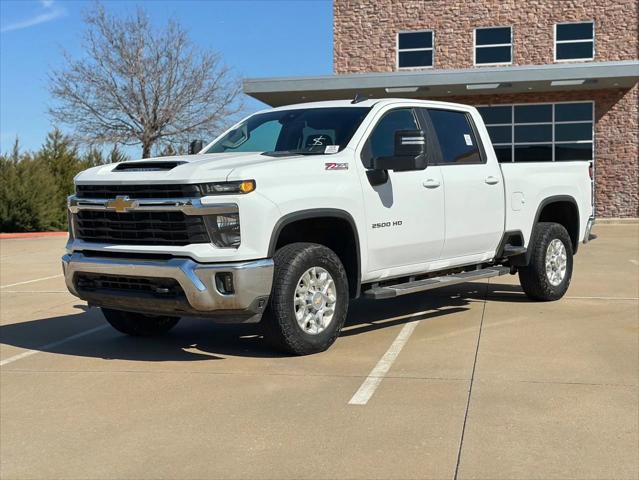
(554,80)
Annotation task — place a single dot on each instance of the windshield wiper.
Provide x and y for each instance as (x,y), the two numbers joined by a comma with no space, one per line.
(287,153)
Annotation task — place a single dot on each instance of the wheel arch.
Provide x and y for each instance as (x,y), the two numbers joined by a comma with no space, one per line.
(564,210)
(311,226)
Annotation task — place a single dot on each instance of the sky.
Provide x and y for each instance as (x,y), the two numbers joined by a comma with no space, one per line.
(267,38)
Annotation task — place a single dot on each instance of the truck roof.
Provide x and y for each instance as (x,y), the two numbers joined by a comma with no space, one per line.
(364,103)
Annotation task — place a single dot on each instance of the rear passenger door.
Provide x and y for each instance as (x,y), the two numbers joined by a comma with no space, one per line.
(473,190)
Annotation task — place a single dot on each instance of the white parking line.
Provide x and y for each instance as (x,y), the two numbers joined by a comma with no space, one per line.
(31,281)
(367,389)
(49,346)
(602,298)
(636,262)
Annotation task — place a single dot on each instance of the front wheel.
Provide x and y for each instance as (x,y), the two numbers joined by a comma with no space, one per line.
(309,299)
(548,274)
(138,324)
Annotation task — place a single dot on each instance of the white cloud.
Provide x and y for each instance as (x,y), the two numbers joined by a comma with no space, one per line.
(51,13)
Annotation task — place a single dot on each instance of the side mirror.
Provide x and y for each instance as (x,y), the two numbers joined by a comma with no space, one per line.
(409,154)
(195,146)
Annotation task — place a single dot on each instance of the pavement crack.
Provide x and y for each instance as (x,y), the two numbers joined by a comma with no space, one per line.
(472,379)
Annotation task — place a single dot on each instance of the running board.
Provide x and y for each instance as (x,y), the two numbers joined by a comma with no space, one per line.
(392,291)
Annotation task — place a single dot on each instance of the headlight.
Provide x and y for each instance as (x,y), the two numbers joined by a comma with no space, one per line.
(225,188)
(224,229)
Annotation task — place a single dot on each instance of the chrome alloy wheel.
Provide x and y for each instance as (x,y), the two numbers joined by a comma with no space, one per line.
(556,262)
(314,302)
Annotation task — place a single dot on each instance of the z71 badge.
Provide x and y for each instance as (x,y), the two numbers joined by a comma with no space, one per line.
(336,166)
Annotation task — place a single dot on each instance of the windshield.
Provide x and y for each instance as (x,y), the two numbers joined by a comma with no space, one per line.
(305,131)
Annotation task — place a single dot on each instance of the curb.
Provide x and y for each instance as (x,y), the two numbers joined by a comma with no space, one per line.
(6,236)
(617,221)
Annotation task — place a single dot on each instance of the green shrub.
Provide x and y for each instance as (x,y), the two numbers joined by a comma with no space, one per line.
(34,186)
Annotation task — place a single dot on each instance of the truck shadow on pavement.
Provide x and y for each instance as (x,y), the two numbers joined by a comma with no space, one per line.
(199,340)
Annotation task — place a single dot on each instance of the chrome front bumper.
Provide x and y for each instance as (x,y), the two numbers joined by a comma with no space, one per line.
(252,281)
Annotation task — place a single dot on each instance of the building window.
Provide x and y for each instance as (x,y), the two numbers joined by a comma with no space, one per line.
(493,46)
(415,49)
(575,41)
(548,132)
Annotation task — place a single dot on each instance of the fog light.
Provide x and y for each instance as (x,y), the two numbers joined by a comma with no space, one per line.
(224,283)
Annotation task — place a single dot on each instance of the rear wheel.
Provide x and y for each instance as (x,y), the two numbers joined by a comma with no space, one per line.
(549,272)
(309,299)
(138,324)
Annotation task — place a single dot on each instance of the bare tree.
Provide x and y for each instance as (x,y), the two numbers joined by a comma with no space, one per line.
(141,85)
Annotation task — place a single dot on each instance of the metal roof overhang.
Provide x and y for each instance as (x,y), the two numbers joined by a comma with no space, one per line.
(445,83)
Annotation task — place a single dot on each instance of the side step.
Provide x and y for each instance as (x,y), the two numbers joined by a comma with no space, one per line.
(391,291)
(511,251)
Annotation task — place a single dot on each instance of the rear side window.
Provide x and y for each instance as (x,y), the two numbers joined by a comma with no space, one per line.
(382,140)
(456,137)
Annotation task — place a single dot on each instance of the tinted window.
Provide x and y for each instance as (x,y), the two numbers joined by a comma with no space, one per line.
(533,113)
(533,153)
(569,51)
(382,140)
(504,153)
(414,49)
(492,36)
(571,112)
(575,31)
(493,55)
(566,132)
(419,58)
(492,115)
(533,133)
(500,134)
(456,138)
(415,40)
(573,151)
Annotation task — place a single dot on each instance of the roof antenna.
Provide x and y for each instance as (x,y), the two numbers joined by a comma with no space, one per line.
(359,98)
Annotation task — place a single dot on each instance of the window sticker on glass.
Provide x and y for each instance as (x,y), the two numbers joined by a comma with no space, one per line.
(331,149)
(468,140)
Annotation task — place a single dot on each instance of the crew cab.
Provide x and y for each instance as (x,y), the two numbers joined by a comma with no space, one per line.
(294,211)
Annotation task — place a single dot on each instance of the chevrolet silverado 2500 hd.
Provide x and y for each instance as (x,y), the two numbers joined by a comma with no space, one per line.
(295,210)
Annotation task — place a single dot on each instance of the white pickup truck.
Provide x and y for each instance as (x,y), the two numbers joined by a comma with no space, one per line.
(295,210)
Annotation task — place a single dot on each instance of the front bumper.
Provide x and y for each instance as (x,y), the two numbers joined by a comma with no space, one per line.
(252,281)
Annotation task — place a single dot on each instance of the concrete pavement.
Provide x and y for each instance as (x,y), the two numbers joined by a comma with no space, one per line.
(488,385)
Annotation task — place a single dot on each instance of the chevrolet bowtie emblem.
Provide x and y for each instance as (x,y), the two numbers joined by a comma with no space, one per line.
(121,204)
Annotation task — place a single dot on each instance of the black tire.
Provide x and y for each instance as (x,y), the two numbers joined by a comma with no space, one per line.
(533,278)
(281,326)
(138,324)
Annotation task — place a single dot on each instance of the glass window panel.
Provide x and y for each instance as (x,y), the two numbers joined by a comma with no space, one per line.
(504,153)
(493,115)
(533,113)
(568,51)
(456,138)
(422,58)
(415,40)
(565,132)
(533,153)
(500,134)
(492,36)
(575,31)
(533,133)
(573,151)
(492,55)
(571,112)
(382,140)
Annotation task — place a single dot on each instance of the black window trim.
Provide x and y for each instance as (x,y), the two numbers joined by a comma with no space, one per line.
(438,152)
(424,49)
(563,42)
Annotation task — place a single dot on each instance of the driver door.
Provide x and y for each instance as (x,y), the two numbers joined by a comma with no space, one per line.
(405,215)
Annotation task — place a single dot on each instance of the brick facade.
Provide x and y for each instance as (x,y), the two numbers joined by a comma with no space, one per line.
(365,41)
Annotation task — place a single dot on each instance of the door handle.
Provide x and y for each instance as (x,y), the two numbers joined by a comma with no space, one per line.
(492,180)
(431,183)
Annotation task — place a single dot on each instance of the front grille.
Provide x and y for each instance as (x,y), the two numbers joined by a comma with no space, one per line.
(161,287)
(140,228)
(138,191)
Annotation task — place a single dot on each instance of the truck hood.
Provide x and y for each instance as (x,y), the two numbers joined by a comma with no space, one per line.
(210,167)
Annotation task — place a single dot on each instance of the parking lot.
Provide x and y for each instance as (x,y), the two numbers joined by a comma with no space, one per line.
(474,381)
